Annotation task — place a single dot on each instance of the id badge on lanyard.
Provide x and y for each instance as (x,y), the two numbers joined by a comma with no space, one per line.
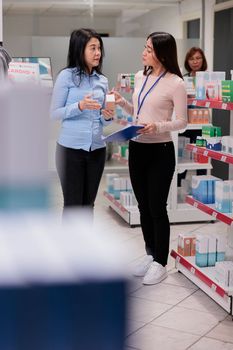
(140,103)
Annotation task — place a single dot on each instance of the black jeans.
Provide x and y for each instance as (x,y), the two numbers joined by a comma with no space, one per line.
(80,174)
(151,169)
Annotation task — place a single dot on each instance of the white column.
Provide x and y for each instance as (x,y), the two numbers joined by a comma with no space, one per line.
(208,32)
(0,20)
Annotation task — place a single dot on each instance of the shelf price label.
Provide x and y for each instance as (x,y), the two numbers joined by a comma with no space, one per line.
(195,204)
(193,270)
(213,287)
(194,103)
(223,158)
(214,214)
(205,153)
(194,149)
(207,104)
(178,259)
(224,105)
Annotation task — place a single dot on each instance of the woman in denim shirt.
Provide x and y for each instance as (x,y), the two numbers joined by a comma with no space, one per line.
(78,100)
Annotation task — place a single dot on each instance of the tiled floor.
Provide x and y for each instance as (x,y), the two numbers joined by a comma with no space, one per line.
(174,314)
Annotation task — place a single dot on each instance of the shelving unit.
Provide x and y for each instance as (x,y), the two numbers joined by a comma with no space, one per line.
(210,104)
(130,214)
(204,277)
(177,212)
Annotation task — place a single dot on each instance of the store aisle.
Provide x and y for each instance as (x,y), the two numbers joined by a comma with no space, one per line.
(174,314)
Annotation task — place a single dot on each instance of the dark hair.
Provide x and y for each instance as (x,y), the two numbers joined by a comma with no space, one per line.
(78,41)
(165,49)
(192,52)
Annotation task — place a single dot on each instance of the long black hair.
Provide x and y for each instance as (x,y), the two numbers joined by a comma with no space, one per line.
(78,41)
(164,46)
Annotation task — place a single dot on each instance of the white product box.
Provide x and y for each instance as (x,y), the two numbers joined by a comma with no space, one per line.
(201,257)
(224,273)
(109,181)
(212,246)
(116,187)
(221,247)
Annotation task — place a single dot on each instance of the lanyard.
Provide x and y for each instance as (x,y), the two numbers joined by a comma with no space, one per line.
(140,103)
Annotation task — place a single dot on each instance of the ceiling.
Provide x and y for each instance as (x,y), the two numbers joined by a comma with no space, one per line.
(128,9)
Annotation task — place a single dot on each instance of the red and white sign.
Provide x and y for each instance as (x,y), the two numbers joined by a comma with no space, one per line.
(24,72)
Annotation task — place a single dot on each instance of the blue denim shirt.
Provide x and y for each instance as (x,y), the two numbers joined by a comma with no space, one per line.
(79,129)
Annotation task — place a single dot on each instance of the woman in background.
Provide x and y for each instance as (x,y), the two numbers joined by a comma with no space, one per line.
(195,61)
(78,102)
(159,89)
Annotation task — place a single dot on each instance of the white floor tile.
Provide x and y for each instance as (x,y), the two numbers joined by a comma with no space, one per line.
(189,321)
(178,279)
(223,331)
(163,293)
(145,310)
(212,344)
(153,337)
(202,302)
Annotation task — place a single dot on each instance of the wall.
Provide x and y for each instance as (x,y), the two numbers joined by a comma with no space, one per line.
(164,19)
(25,25)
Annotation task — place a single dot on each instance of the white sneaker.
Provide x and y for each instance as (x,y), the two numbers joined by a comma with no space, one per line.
(143,266)
(155,274)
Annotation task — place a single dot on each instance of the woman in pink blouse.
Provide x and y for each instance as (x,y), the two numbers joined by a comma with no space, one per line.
(159,91)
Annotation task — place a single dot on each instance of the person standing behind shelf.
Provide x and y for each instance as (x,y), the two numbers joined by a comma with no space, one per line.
(159,89)
(195,61)
(78,101)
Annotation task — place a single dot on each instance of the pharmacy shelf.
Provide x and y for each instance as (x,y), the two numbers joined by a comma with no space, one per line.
(211,104)
(129,214)
(223,157)
(210,210)
(120,159)
(183,165)
(196,126)
(204,279)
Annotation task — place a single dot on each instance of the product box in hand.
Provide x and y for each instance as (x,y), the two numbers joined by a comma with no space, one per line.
(110,102)
(227,90)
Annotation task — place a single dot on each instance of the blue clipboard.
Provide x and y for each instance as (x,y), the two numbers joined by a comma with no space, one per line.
(124,134)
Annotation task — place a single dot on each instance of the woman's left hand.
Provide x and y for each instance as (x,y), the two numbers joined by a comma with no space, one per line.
(108,113)
(148,128)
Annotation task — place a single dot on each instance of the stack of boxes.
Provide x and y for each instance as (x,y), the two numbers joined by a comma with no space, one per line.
(224,196)
(203,188)
(121,188)
(208,85)
(198,116)
(227,90)
(212,137)
(224,273)
(209,249)
(186,244)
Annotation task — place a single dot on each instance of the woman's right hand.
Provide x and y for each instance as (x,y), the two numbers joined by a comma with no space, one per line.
(89,103)
(119,100)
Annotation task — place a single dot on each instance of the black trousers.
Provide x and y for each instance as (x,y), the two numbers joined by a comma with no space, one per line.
(151,169)
(80,174)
